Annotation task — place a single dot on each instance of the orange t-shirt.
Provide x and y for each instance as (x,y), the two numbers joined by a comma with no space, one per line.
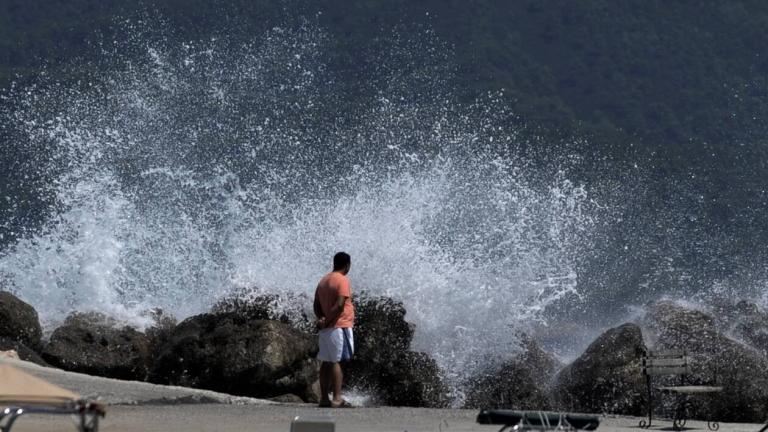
(330,287)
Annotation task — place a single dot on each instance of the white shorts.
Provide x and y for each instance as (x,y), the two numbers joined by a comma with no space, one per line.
(336,344)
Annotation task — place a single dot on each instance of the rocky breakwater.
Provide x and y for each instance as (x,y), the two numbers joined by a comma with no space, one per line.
(261,346)
(221,351)
(717,357)
(229,353)
(607,377)
(20,329)
(383,363)
(95,344)
(521,382)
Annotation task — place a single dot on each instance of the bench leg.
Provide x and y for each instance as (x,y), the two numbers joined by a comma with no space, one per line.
(89,422)
(712,425)
(11,420)
(681,412)
(643,424)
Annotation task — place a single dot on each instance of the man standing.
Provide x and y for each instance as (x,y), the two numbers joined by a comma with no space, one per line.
(335,319)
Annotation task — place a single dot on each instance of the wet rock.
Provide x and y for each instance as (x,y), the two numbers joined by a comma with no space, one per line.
(521,383)
(230,353)
(251,304)
(95,344)
(19,321)
(159,333)
(747,322)
(673,324)
(728,313)
(607,377)
(383,362)
(413,380)
(22,351)
(715,359)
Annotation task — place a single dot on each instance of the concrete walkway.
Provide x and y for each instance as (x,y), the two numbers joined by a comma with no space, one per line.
(147,407)
(242,418)
(118,392)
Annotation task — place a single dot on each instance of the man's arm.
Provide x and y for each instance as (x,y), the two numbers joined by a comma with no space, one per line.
(335,311)
(320,322)
(316,306)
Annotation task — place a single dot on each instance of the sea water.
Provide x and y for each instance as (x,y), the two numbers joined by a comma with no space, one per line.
(181,172)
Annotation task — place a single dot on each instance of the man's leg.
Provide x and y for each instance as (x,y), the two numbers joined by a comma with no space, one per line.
(326,371)
(338,377)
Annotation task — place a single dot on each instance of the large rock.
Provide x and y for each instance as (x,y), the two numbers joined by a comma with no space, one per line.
(229,353)
(674,325)
(19,321)
(746,321)
(607,378)
(159,332)
(383,362)
(252,304)
(521,383)
(716,359)
(413,379)
(23,351)
(95,344)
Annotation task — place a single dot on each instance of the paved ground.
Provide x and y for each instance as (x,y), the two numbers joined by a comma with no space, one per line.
(241,418)
(118,392)
(171,409)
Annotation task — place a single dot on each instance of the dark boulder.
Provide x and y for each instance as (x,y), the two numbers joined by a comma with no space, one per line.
(413,380)
(521,383)
(715,359)
(95,344)
(229,353)
(607,377)
(253,305)
(383,362)
(23,351)
(743,373)
(674,325)
(159,332)
(746,321)
(19,321)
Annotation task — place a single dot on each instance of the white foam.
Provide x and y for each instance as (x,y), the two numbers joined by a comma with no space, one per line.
(175,185)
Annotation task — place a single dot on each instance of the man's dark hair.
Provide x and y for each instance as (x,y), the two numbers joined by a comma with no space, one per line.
(341,260)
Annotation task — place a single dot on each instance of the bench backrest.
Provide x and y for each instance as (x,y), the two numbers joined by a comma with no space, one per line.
(669,362)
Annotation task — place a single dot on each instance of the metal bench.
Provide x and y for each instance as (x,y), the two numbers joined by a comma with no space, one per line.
(674,362)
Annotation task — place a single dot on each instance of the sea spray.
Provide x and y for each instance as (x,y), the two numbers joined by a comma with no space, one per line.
(182,172)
